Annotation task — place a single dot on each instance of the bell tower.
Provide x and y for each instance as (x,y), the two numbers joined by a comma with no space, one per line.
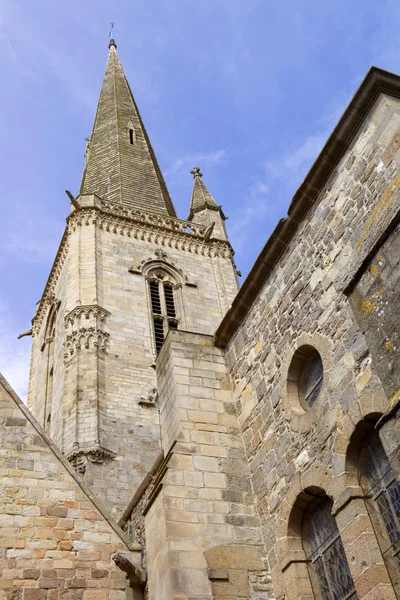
(126,272)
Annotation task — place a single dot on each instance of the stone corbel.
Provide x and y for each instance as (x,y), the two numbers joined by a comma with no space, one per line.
(150,399)
(97,455)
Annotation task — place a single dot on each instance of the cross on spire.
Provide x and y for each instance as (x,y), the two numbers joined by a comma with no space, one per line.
(196,172)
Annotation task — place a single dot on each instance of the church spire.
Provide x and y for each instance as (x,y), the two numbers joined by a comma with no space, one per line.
(121,167)
(201,197)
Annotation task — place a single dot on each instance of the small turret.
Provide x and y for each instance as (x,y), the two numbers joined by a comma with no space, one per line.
(203,208)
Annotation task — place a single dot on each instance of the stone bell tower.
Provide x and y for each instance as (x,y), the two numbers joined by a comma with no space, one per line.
(127,270)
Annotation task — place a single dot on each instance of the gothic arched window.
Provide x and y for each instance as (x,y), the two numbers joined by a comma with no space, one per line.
(329,570)
(48,347)
(382,490)
(163,306)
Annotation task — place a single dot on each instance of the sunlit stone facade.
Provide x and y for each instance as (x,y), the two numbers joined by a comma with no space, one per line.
(243,443)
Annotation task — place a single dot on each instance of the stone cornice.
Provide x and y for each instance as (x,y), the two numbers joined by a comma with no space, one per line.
(375,83)
(158,229)
(164,231)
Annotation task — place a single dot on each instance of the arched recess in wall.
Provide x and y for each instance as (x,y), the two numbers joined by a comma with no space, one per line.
(316,564)
(369,467)
(165,302)
(48,349)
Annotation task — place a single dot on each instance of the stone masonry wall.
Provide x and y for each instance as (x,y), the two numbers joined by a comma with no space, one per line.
(289,447)
(55,539)
(202,531)
(375,301)
(104,364)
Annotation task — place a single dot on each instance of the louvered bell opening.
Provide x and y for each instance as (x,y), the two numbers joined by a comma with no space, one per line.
(155,298)
(158,333)
(169,301)
(172,324)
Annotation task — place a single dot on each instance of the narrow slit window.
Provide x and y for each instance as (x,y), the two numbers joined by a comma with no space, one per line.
(131,136)
(169,301)
(158,333)
(155,297)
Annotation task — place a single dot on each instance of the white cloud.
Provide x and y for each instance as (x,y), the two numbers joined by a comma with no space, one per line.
(33,250)
(23,43)
(255,207)
(270,196)
(14,354)
(182,166)
(295,163)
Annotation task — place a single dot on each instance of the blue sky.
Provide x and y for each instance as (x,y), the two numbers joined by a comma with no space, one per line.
(247,90)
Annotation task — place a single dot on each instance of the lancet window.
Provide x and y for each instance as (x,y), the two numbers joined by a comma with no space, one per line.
(163,306)
(329,569)
(48,347)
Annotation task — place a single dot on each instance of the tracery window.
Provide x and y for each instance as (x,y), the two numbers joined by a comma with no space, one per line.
(329,570)
(383,501)
(163,306)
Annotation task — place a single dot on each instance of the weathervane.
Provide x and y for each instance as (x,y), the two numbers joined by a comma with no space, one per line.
(110,33)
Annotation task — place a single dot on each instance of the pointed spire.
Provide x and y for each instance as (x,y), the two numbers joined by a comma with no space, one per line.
(201,197)
(121,166)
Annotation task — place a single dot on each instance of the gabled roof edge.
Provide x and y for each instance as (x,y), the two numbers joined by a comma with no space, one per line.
(54,449)
(376,82)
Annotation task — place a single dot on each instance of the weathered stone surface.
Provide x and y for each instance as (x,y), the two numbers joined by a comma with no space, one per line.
(251,436)
(44,514)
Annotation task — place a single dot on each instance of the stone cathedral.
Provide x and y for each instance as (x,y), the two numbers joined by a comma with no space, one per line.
(185,439)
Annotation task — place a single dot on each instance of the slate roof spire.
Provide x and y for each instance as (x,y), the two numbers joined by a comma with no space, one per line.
(201,197)
(121,167)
